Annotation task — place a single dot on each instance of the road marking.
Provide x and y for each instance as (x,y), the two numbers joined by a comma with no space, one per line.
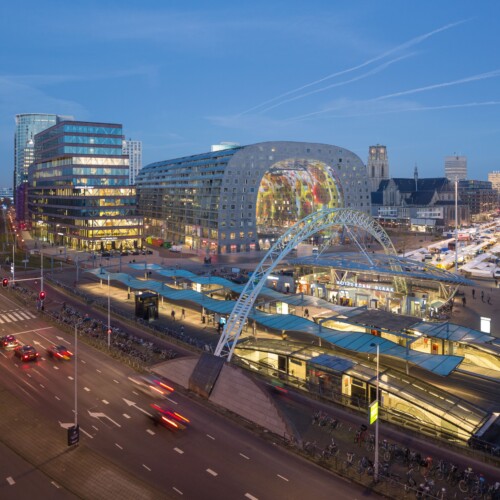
(212,472)
(58,399)
(211,437)
(42,386)
(105,402)
(126,416)
(282,477)
(131,403)
(116,381)
(251,497)
(149,431)
(86,389)
(84,362)
(87,434)
(4,355)
(11,481)
(56,367)
(55,484)
(244,456)
(177,491)
(98,371)
(70,377)
(29,375)
(172,401)
(96,428)
(146,467)
(118,446)
(102,415)
(179,451)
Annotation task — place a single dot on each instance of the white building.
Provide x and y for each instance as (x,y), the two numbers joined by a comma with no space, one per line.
(455,167)
(134,151)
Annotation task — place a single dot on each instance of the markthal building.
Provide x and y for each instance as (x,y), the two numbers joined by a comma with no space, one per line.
(242,198)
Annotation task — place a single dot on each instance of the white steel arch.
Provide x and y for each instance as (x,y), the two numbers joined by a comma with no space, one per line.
(302,230)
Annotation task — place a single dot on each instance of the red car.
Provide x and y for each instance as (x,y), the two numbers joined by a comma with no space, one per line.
(59,352)
(9,342)
(27,353)
(169,418)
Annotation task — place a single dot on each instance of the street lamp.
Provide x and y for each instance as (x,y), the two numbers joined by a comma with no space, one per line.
(76,375)
(109,316)
(456,224)
(375,467)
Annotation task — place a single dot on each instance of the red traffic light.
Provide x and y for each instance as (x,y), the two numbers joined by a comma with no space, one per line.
(42,295)
(5,282)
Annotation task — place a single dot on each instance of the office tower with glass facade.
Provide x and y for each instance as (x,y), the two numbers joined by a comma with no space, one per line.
(455,168)
(79,194)
(377,166)
(133,149)
(243,198)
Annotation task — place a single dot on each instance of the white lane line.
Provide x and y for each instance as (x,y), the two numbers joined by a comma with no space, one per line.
(55,484)
(2,321)
(118,446)
(96,428)
(282,477)
(212,472)
(98,371)
(177,490)
(84,362)
(58,399)
(211,437)
(56,367)
(29,375)
(146,467)
(105,402)
(116,381)
(11,481)
(4,355)
(126,416)
(70,377)
(244,456)
(42,386)
(87,434)
(149,431)
(250,497)
(179,451)
(86,389)
(172,401)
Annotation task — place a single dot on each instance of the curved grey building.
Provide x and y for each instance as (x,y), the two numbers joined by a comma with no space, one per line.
(238,199)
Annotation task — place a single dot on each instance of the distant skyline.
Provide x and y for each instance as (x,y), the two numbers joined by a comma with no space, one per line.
(421,78)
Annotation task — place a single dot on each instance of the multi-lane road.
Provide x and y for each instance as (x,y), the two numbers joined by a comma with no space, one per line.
(214,458)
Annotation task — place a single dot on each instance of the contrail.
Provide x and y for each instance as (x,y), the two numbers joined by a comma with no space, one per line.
(482,76)
(374,71)
(405,45)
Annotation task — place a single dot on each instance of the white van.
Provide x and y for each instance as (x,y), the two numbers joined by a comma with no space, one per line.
(496,273)
(315,251)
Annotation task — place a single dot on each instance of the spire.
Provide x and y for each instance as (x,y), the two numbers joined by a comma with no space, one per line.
(415,176)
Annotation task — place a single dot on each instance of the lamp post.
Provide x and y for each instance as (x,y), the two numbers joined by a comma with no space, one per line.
(109,316)
(456,223)
(375,466)
(76,375)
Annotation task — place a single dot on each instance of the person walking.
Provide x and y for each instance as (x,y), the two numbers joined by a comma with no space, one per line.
(482,295)
(464,301)
(173,315)
(474,294)
(489,300)
(183,313)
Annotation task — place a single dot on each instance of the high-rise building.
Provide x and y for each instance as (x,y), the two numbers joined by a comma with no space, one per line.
(133,149)
(377,166)
(494,178)
(27,126)
(455,167)
(78,188)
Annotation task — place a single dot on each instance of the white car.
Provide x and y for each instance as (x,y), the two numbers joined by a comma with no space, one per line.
(152,386)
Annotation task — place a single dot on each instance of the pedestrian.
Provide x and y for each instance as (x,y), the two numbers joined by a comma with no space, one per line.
(306,313)
(173,315)
(183,313)
(464,301)
(482,295)
(474,294)
(489,300)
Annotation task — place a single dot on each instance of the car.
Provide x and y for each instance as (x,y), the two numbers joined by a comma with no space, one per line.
(59,352)
(9,342)
(136,252)
(106,254)
(152,385)
(26,353)
(169,418)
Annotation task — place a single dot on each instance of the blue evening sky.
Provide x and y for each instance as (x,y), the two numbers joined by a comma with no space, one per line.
(421,77)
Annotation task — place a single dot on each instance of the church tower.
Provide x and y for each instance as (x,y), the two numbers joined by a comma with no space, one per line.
(377,166)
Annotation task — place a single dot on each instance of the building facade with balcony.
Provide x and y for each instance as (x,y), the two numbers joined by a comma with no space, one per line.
(78,188)
(241,198)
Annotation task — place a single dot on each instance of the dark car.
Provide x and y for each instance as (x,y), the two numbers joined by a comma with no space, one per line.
(169,418)
(106,254)
(9,342)
(27,353)
(136,252)
(59,352)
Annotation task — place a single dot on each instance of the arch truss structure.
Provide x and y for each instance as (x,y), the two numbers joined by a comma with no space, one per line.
(322,220)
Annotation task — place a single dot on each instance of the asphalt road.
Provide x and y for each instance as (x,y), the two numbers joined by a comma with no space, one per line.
(214,458)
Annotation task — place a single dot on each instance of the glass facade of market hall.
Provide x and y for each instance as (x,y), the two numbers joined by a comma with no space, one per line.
(243,198)
(79,194)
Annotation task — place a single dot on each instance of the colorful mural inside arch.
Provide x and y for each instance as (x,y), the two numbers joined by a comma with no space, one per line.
(293,189)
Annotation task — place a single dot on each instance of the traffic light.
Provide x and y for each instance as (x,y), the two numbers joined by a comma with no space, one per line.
(5,282)
(42,295)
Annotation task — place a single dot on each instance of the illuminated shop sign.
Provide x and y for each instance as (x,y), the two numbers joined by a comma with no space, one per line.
(378,288)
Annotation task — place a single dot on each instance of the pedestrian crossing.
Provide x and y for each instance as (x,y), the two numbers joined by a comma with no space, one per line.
(16,315)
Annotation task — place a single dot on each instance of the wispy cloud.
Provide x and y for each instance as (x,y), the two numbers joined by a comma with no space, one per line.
(406,45)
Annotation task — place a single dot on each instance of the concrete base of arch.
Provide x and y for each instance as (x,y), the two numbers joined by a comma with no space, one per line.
(234,390)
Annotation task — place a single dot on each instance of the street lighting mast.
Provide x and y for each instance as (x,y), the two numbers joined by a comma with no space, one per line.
(456,223)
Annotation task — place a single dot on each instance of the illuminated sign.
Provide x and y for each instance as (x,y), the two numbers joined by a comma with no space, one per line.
(378,288)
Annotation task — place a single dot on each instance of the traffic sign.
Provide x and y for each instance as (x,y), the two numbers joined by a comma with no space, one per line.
(373,412)
(73,435)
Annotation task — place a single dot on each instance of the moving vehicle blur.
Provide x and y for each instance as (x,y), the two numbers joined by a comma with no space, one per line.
(59,352)
(26,353)
(152,386)
(166,416)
